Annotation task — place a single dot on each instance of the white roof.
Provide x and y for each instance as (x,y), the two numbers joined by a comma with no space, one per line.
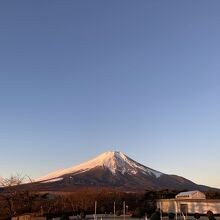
(188,193)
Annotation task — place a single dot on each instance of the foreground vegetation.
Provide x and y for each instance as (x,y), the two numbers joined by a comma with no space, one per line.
(16,200)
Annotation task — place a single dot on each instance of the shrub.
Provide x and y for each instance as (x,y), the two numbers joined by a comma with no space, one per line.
(138,213)
(102,210)
(171,215)
(210,214)
(118,212)
(83,215)
(64,217)
(155,216)
(197,215)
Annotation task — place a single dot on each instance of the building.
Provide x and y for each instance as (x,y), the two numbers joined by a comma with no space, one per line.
(189,203)
(191,195)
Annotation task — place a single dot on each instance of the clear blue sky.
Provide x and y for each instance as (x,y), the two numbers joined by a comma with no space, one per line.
(78,78)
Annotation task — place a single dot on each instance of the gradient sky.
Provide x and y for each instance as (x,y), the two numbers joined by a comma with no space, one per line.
(78,78)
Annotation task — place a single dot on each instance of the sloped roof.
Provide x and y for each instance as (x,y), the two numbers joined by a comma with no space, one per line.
(188,193)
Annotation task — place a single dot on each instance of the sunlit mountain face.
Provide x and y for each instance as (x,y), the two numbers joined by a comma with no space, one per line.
(113,170)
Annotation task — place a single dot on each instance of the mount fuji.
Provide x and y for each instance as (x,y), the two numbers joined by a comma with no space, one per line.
(114,170)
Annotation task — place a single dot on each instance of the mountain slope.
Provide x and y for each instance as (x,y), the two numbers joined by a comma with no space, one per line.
(115,162)
(114,170)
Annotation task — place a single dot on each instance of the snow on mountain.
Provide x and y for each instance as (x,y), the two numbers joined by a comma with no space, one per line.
(53,180)
(114,161)
(113,170)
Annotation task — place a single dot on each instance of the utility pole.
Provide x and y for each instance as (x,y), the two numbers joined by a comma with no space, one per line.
(124,210)
(114,210)
(95,210)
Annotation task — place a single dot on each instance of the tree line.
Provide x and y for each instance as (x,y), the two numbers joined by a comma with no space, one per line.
(15,199)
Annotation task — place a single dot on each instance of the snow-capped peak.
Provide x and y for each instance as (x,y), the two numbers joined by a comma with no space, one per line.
(114,161)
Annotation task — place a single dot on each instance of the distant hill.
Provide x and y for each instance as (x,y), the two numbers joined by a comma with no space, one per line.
(114,170)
